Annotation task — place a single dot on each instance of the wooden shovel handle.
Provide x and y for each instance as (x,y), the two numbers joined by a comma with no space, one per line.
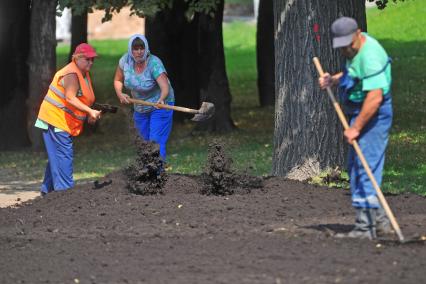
(336,105)
(164,106)
(355,144)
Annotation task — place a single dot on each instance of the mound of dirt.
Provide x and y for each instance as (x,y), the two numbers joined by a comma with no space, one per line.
(146,175)
(220,178)
(280,234)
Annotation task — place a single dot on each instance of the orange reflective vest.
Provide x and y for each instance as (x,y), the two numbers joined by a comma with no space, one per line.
(56,111)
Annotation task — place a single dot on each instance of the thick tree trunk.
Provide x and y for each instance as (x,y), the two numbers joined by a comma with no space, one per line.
(78,30)
(193,55)
(174,40)
(14,46)
(213,80)
(265,53)
(42,61)
(308,134)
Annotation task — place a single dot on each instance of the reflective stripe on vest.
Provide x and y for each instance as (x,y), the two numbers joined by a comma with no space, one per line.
(57,91)
(64,108)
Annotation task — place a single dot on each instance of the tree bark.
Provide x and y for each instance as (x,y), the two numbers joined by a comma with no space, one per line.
(192,52)
(173,39)
(212,77)
(78,30)
(42,61)
(265,53)
(308,135)
(14,46)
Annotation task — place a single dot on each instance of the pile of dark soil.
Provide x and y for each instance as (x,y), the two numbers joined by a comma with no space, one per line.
(146,175)
(220,178)
(280,234)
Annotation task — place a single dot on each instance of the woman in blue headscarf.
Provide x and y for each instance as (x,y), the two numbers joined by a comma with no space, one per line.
(144,75)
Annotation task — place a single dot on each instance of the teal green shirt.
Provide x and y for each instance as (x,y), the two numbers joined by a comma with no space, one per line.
(369,60)
(43,125)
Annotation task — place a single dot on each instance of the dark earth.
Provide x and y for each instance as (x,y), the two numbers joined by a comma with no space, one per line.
(147,174)
(275,231)
(219,178)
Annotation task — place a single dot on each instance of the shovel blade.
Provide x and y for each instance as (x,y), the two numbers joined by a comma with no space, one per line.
(201,117)
(206,111)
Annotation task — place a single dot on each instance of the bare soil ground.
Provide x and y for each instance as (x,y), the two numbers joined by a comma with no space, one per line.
(280,233)
(14,190)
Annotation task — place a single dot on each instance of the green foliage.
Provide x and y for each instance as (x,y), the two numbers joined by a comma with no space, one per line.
(140,8)
(381,4)
(240,2)
(201,6)
(332,178)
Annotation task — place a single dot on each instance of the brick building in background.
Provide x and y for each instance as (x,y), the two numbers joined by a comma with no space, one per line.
(122,25)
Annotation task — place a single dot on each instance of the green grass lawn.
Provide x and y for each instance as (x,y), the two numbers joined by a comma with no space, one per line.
(401,29)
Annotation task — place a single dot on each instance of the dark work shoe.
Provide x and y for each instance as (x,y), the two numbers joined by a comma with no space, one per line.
(383,230)
(365,225)
(43,194)
(357,234)
(383,225)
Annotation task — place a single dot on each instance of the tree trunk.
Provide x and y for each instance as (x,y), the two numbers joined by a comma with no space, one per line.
(14,46)
(42,61)
(265,54)
(212,77)
(198,72)
(308,135)
(173,39)
(78,30)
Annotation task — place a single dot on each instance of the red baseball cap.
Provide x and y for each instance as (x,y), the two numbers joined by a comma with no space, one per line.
(86,49)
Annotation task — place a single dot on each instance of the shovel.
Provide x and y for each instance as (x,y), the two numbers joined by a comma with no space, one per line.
(205,112)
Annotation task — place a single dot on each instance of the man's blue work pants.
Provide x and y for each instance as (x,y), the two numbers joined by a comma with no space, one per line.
(59,170)
(372,141)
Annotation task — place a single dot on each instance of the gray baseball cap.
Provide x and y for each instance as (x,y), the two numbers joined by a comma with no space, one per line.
(343,30)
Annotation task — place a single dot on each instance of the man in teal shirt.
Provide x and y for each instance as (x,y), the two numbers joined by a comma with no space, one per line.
(365,94)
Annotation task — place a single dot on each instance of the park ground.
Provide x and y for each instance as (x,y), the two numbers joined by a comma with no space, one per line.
(279,233)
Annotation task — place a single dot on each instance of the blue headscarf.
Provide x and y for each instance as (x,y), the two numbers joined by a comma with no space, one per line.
(130,59)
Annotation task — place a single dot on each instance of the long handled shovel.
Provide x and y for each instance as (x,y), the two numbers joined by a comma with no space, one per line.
(205,112)
(361,157)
